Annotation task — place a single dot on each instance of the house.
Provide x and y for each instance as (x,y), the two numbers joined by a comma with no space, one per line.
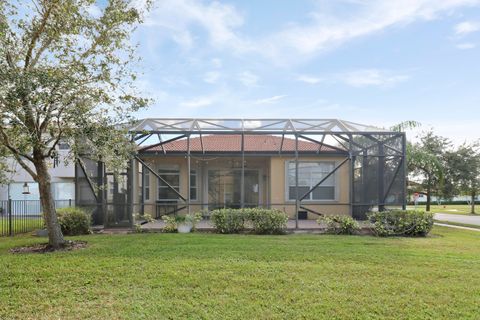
(305,167)
(62,177)
(269,174)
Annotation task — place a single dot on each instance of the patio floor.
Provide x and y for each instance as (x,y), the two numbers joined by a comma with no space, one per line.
(206,226)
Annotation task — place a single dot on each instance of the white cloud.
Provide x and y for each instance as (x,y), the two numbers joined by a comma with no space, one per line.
(327,30)
(183,21)
(211,77)
(197,102)
(270,100)
(309,79)
(466,46)
(178,18)
(466,27)
(248,79)
(371,77)
(94,10)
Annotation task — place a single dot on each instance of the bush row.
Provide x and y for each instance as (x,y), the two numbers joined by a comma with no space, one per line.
(262,221)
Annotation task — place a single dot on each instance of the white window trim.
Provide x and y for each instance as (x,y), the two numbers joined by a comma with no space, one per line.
(336,185)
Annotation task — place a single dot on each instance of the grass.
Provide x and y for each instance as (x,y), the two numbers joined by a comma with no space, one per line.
(462,209)
(20,225)
(209,276)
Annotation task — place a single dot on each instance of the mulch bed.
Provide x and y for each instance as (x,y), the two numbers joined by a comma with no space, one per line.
(45,247)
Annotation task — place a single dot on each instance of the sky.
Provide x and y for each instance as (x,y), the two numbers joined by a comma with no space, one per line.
(374,62)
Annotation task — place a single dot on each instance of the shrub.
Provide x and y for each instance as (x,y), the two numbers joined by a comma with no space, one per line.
(338,224)
(228,220)
(401,223)
(267,221)
(171,223)
(141,219)
(73,221)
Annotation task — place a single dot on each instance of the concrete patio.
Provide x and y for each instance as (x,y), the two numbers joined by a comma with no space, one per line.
(304,226)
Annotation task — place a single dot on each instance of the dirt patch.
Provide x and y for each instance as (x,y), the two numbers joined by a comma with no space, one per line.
(45,247)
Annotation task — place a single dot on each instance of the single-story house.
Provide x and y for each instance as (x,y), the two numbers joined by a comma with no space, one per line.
(269,176)
(305,167)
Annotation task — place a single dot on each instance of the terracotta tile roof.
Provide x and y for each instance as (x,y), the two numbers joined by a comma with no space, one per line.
(232,143)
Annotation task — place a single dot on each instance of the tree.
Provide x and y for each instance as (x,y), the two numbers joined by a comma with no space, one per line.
(3,166)
(464,170)
(66,75)
(426,162)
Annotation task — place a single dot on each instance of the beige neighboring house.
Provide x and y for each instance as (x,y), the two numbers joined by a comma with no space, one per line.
(269,177)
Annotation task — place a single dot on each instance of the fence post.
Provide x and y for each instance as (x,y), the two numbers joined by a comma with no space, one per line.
(69,202)
(10,222)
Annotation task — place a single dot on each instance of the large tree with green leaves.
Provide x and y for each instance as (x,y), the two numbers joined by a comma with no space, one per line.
(426,163)
(464,170)
(66,74)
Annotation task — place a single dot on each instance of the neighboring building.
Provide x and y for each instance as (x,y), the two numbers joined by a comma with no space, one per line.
(63,180)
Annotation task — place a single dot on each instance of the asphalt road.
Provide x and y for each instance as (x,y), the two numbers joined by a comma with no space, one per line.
(475,220)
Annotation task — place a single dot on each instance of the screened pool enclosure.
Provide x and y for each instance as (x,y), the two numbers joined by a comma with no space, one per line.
(306,167)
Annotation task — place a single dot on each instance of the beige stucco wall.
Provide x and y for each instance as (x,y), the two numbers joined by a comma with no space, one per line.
(272,182)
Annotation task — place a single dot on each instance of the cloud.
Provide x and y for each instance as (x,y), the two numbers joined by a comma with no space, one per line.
(328,30)
(270,100)
(465,46)
(211,77)
(181,20)
(197,102)
(309,79)
(466,27)
(186,22)
(371,77)
(248,79)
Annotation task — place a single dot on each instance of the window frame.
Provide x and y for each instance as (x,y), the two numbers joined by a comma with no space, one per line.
(146,185)
(196,184)
(310,199)
(159,186)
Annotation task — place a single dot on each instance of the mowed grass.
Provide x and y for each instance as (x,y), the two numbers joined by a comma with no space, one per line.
(209,276)
(19,225)
(451,209)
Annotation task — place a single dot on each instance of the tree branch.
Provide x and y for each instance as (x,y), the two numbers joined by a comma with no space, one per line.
(36,34)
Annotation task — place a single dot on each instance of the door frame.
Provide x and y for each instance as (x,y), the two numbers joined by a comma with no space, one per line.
(206,175)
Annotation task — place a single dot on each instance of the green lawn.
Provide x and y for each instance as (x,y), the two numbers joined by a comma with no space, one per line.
(20,225)
(209,276)
(452,209)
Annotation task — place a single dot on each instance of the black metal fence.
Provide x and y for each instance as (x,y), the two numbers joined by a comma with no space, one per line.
(22,216)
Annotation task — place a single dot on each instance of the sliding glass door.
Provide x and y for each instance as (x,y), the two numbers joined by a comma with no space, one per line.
(224,188)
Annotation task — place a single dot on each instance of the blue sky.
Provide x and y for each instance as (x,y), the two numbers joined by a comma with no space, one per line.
(376,62)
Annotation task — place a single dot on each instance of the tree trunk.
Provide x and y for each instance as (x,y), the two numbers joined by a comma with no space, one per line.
(429,198)
(473,202)
(55,236)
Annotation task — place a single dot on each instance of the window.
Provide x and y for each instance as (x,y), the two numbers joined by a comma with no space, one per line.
(193,185)
(147,184)
(63,146)
(309,174)
(172,177)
